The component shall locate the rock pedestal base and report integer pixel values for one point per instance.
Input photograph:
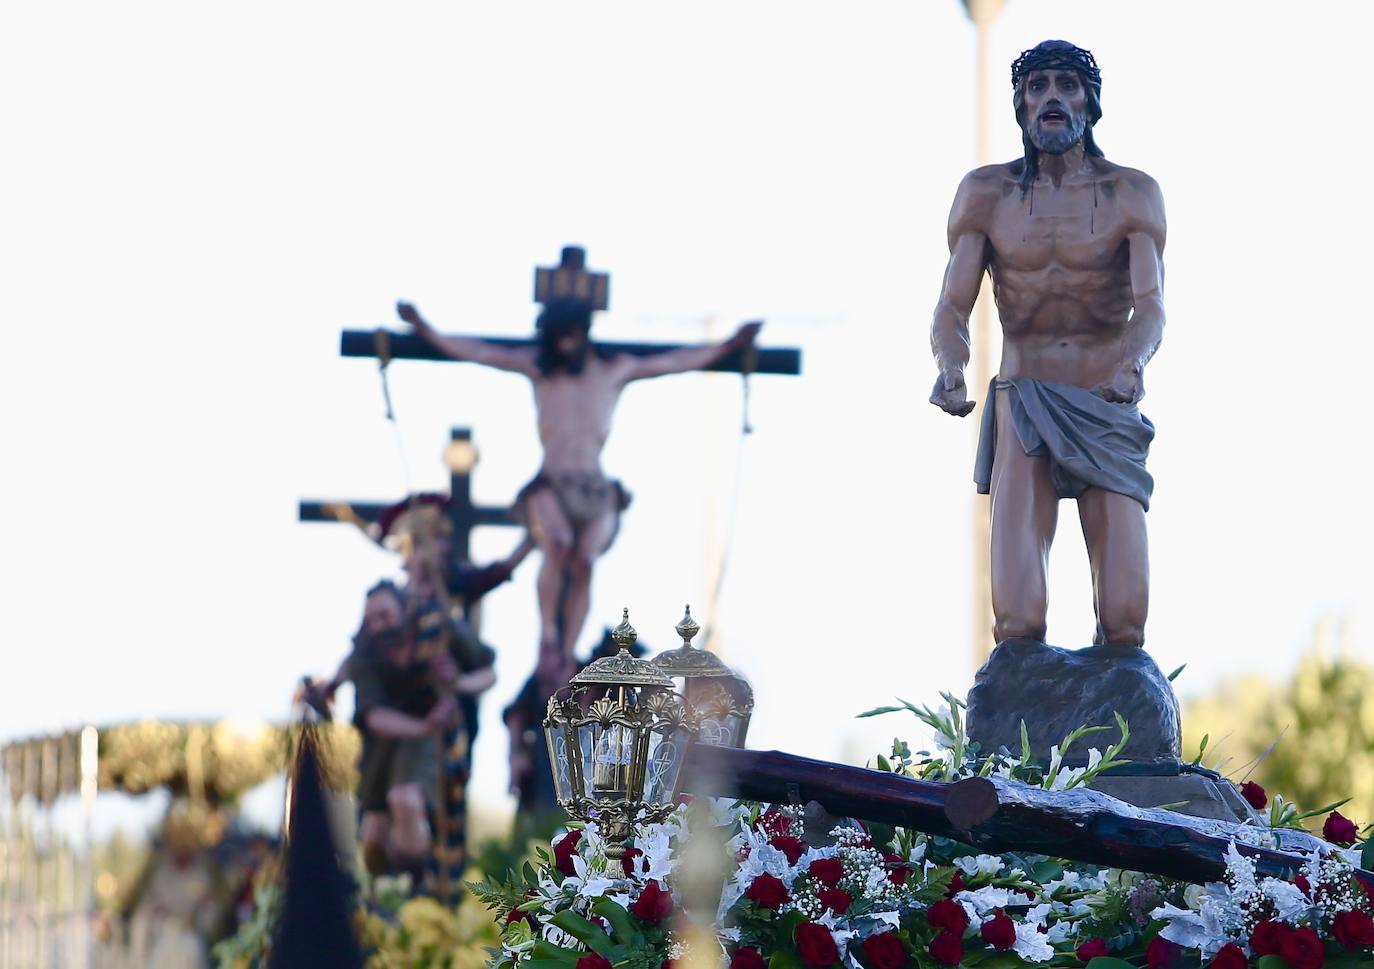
(1058, 690)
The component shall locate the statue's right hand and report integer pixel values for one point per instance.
(950, 394)
(408, 313)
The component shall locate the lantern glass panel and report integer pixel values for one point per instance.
(720, 731)
(557, 736)
(667, 751)
(607, 759)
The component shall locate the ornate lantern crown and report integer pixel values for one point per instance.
(722, 699)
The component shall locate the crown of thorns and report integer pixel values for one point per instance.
(1056, 56)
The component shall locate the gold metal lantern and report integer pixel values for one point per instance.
(618, 735)
(721, 699)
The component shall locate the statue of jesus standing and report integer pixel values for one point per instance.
(1073, 243)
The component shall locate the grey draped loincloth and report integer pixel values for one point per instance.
(1091, 442)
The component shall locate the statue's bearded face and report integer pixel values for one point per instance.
(1056, 110)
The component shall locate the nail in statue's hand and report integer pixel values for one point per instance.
(950, 394)
(1127, 386)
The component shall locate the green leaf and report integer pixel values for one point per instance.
(621, 923)
(1175, 674)
(588, 933)
(555, 954)
(1271, 962)
(784, 959)
(1322, 810)
(1367, 855)
(1107, 962)
(878, 711)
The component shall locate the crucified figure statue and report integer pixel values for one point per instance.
(571, 507)
(1074, 244)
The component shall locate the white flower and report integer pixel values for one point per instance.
(894, 919)
(1060, 932)
(984, 900)
(1288, 899)
(979, 865)
(1031, 944)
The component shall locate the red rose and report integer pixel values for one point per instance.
(1339, 829)
(948, 914)
(885, 951)
(1267, 937)
(836, 899)
(627, 861)
(1161, 953)
(1303, 949)
(747, 958)
(653, 905)
(816, 946)
(515, 915)
(1231, 956)
(773, 822)
(564, 850)
(1303, 885)
(897, 871)
(1000, 931)
(767, 891)
(947, 947)
(1353, 929)
(668, 964)
(956, 885)
(1089, 951)
(827, 871)
(792, 847)
(593, 960)
(1254, 795)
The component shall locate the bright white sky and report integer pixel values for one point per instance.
(196, 199)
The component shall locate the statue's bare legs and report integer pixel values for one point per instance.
(565, 576)
(1025, 511)
(1114, 528)
(554, 535)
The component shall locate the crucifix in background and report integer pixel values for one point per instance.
(571, 507)
(461, 457)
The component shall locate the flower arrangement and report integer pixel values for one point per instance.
(878, 897)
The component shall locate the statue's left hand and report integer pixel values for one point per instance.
(1127, 386)
(747, 333)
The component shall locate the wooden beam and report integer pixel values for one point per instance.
(996, 815)
(409, 346)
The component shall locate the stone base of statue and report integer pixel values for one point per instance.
(1058, 690)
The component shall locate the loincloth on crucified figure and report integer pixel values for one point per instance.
(1090, 442)
(584, 497)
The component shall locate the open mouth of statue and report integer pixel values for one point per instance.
(1054, 118)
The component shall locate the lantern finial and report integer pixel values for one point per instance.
(687, 628)
(624, 635)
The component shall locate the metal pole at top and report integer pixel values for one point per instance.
(983, 13)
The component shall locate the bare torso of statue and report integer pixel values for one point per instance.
(574, 412)
(1073, 244)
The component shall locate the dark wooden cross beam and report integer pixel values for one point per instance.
(570, 279)
(461, 457)
(995, 815)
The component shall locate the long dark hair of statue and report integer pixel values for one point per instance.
(560, 318)
(1052, 55)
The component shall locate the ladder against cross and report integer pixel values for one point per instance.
(461, 458)
(570, 279)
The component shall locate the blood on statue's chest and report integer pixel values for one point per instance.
(1075, 227)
